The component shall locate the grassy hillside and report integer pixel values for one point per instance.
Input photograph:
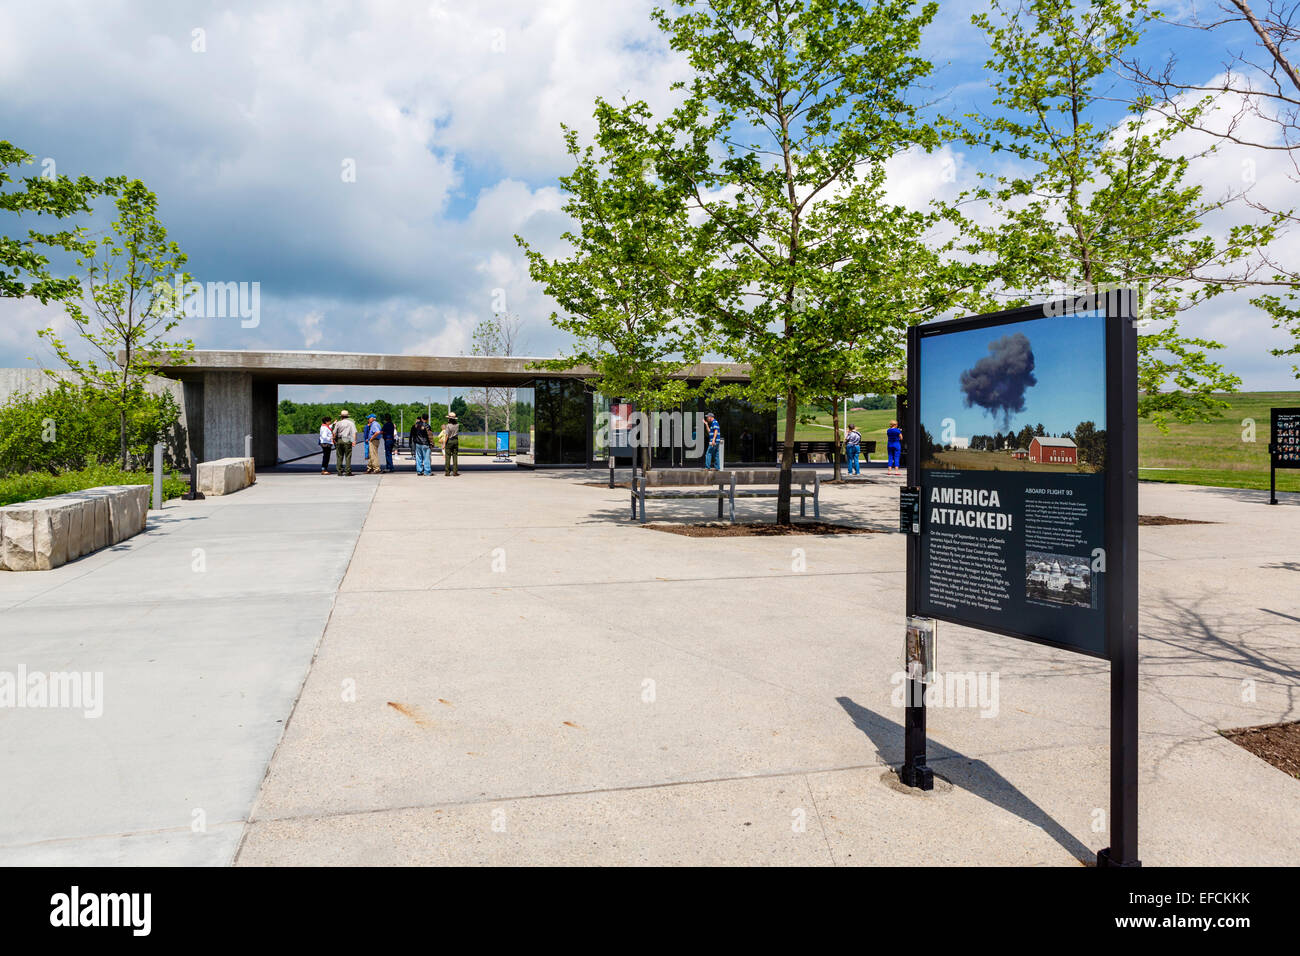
(871, 424)
(1215, 452)
(1209, 453)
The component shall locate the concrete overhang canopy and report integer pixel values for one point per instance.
(359, 368)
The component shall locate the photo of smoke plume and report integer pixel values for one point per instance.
(997, 382)
(1022, 396)
(1059, 578)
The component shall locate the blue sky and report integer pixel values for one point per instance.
(1069, 366)
(450, 112)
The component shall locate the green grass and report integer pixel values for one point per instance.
(1217, 452)
(16, 488)
(1206, 453)
(871, 424)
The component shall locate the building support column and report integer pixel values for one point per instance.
(227, 414)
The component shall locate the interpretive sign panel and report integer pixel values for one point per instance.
(1012, 422)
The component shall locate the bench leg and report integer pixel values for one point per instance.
(719, 502)
(803, 506)
(643, 507)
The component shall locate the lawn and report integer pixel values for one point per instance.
(1207, 453)
(1218, 452)
(871, 424)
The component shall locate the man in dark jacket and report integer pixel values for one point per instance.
(422, 446)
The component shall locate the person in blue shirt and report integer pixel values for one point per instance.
(894, 434)
(714, 447)
(371, 436)
(853, 443)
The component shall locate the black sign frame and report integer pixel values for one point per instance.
(1274, 459)
(1120, 544)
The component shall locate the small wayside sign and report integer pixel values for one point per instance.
(909, 509)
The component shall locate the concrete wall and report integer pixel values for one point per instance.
(227, 414)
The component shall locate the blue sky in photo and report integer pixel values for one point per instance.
(1069, 366)
(452, 113)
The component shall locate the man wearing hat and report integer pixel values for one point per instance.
(345, 433)
(449, 437)
(372, 435)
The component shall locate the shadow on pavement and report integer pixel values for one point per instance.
(972, 775)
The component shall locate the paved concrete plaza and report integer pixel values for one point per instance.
(502, 668)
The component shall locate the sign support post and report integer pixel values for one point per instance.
(1121, 576)
(1272, 474)
(914, 772)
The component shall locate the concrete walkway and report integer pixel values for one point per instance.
(513, 672)
(535, 680)
(204, 629)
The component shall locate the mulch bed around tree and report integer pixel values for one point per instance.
(1146, 520)
(1279, 744)
(718, 529)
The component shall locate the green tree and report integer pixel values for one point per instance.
(24, 262)
(133, 278)
(793, 110)
(70, 427)
(621, 285)
(1091, 443)
(1258, 90)
(1098, 201)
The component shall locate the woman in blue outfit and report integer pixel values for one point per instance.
(894, 434)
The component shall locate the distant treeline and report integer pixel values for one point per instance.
(1090, 440)
(303, 418)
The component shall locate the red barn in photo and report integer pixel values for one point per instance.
(1053, 451)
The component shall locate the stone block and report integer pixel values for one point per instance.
(48, 532)
(225, 475)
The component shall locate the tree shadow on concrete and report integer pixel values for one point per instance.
(972, 775)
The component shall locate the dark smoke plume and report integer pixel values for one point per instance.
(998, 381)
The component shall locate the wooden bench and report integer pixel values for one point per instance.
(727, 485)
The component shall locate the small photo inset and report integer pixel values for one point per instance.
(1058, 578)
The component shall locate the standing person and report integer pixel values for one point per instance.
(715, 439)
(422, 446)
(853, 442)
(449, 439)
(345, 433)
(389, 431)
(894, 434)
(371, 436)
(326, 443)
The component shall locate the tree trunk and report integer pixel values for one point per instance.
(835, 430)
(121, 431)
(787, 460)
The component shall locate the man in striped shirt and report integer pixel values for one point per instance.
(715, 441)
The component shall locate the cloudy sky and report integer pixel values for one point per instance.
(245, 119)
